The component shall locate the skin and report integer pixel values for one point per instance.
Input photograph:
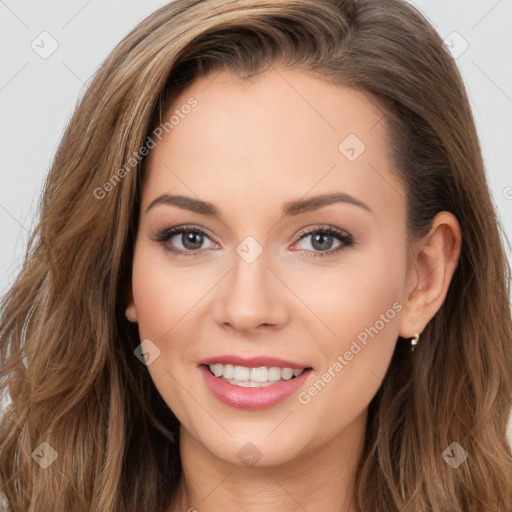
(248, 147)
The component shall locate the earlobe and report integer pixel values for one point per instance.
(435, 259)
(131, 312)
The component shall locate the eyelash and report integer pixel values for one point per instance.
(162, 237)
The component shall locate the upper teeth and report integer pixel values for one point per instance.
(259, 374)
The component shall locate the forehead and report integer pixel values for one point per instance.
(280, 135)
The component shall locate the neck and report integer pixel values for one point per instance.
(319, 479)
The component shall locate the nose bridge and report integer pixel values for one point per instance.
(250, 294)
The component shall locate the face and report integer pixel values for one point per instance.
(271, 235)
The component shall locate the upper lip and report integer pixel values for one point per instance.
(253, 362)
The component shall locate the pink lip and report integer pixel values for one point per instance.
(253, 362)
(252, 398)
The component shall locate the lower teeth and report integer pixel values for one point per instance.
(249, 384)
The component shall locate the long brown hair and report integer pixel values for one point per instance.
(67, 349)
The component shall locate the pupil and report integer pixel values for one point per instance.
(192, 240)
(322, 241)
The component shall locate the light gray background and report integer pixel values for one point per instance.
(37, 95)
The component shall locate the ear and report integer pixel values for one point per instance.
(432, 263)
(131, 311)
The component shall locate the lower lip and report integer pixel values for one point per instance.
(252, 398)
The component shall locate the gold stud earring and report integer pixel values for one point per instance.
(414, 341)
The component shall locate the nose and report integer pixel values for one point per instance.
(251, 297)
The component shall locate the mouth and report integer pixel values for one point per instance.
(255, 377)
(253, 387)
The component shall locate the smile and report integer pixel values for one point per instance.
(252, 387)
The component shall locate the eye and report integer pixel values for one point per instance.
(322, 239)
(184, 240)
(189, 240)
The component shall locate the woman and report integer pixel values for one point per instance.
(268, 275)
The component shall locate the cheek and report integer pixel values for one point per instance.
(361, 307)
(164, 295)
(356, 295)
(162, 292)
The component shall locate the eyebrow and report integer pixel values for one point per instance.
(290, 208)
